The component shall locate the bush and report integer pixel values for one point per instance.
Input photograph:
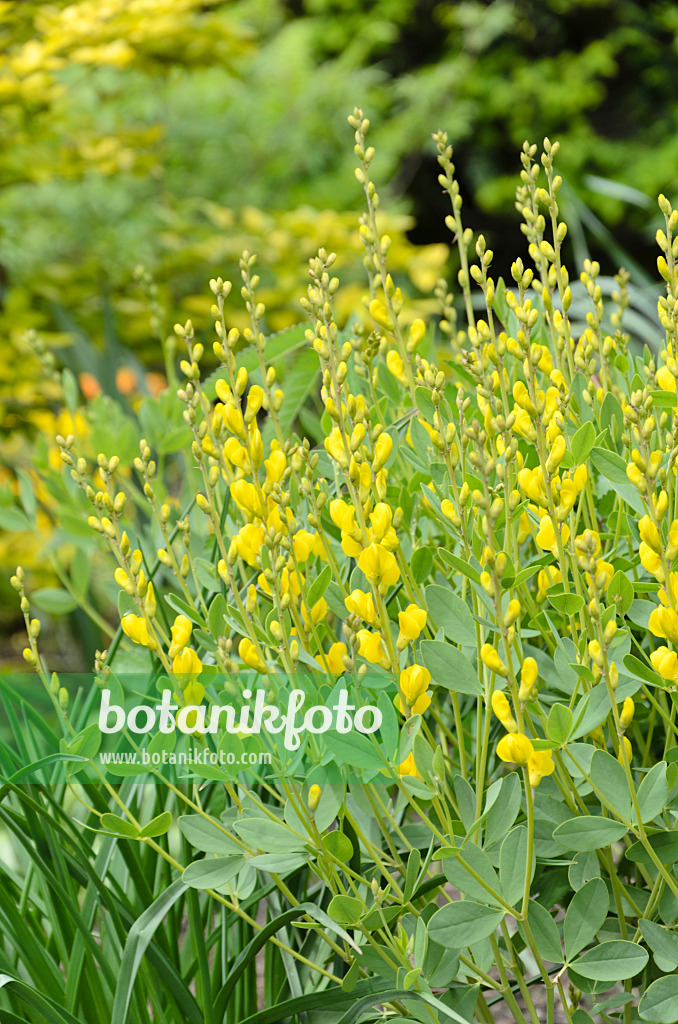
(474, 534)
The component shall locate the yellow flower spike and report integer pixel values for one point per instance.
(502, 710)
(540, 764)
(248, 653)
(408, 767)
(382, 451)
(663, 622)
(649, 534)
(314, 795)
(370, 647)
(528, 677)
(414, 682)
(625, 744)
(515, 748)
(187, 664)
(362, 604)
(379, 565)
(490, 658)
(333, 661)
(665, 662)
(627, 712)
(411, 622)
(134, 626)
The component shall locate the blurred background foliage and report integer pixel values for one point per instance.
(173, 134)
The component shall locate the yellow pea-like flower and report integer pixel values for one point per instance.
(275, 466)
(396, 366)
(411, 621)
(362, 604)
(417, 332)
(194, 693)
(409, 767)
(649, 534)
(665, 662)
(181, 633)
(381, 519)
(627, 712)
(540, 764)
(546, 535)
(664, 622)
(333, 661)
(134, 626)
(625, 745)
(414, 682)
(314, 795)
(247, 497)
(379, 565)
(515, 748)
(187, 663)
(490, 658)
(502, 710)
(382, 451)
(528, 677)
(248, 653)
(371, 647)
(380, 313)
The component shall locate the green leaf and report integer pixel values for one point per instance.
(661, 941)
(659, 1004)
(459, 565)
(585, 916)
(653, 792)
(639, 669)
(664, 845)
(582, 443)
(589, 833)
(504, 811)
(345, 909)
(121, 827)
(319, 586)
(158, 826)
(138, 940)
(566, 604)
(512, 863)
(339, 845)
(215, 617)
(269, 836)
(620, 590)
(354, 749)
(53, 600)
(456, 870)
(613, 468)
(212, 872)
(450, 668)
(422, 397)
(559, 725)
(451, 614)
(15, 521)
(463, 923)
(421, 564)
(664, 400)
(608, 775)
(545, 932)
(612, 961)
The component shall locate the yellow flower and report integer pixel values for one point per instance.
(449, 511)
(334, 446)
(627, 712)
(515, 748)
(408, 767)
(382, 451)
(248, 653)
(528, 677)
(411, 621)
(650, 560)
(571, 487)
(317, 613)
(342, 515)
(381, 520)
(649, 534)
(379, 565)
(490, 658)
(246, 497)
(362, 604)
(275, 466)
(187, 664)
(371, 648)
(333, 661)
(379, 312)
(414, 681)
(546, 537)
(664, 622)
(531, 481)
(314, 794)
(181, 634)
(665, 662)
(249, 541)
(502, 710)
(136, 629)
(547, 578)
(625, 745)
(539, 764)
(417, 332)
(396, 366)
(194, 693)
